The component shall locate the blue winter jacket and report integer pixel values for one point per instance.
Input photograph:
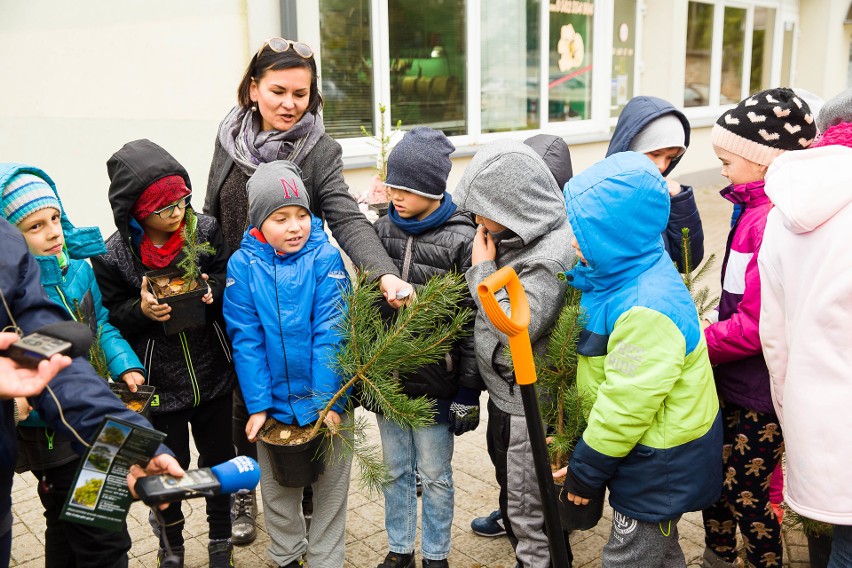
(281, 312)
(654, 433)
(76, 284)
(638, 112)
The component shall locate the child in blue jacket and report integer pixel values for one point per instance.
(30, 201)
(283, 302)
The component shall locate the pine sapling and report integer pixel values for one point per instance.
(192, 251)
(375, 354)
(701, 297)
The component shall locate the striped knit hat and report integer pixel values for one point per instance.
(765, 125)
(25, 194)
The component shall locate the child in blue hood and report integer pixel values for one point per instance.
(30, 201)
(655, 128)
(654, 431)
(282, 307)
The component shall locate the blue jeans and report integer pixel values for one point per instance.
(431, 450)
(841, 547)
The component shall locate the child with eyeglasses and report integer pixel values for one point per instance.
(29, 200)
(192, 371)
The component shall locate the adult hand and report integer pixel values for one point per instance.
(208, 297)
(254, 424)
(16, 381)
(133, 379)
(151, 309)
(483, 247)
(391, 285)
(159, 464)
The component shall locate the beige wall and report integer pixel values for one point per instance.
(823, 56)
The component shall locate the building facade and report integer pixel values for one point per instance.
(83, 78)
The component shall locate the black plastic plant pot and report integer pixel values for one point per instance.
(188, 311)
(579, 517)
(819, 549)
(139, 401)
(296, 465)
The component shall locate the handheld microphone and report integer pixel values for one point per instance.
(65, 338)
(242, 472)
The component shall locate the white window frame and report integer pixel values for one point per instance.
(700, 115)
(359, 151)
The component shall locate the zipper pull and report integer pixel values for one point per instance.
(49, 438)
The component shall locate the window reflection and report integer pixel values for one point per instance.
(699, 44)
(427, 64)
(762, 38)
(733, 51)
(570, 60)
(347, 67)
(510, 61)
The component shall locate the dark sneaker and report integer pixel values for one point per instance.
(243, 518)
(173, 561)
(221, 553)
(396, 560)
(490, 526)
(294, 564)
(435, 563)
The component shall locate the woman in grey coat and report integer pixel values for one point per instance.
(277, 118)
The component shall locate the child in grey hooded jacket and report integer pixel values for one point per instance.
(523, 224)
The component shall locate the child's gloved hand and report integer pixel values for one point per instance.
(464, 411)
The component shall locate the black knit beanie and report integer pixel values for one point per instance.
(420, 162)
(765, 125)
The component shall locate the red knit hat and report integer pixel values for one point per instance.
(159, 194)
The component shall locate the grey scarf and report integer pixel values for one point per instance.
(242, 139)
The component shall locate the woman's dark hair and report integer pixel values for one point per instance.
(270, 60)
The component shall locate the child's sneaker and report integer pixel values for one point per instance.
(221, 553)
(490, 526)
(435, 563)
(396, 560)
(173, 561)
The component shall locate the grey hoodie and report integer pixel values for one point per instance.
(507, 182)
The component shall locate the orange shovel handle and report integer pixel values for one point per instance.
(514, 325)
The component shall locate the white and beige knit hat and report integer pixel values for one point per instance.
(765, 125)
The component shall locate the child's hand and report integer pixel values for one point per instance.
(391, 286)
(332, 421)
(483, 247)
(254, 424)
(132, 379)
(149, 306)
(208, 297)
(576, 499)
(24, 408)
(674, 187)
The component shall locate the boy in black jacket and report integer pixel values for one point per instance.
(192, 370)
(426, 236)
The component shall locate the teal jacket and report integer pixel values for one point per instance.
(654, 434)
(74, 288)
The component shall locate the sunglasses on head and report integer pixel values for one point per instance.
(279, 44)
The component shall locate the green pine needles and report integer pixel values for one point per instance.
(564, 408)
(375, 354)
(192, 250)
(97, 356)
(703, 302)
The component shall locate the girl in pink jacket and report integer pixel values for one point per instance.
(746, 139)
(806, 320)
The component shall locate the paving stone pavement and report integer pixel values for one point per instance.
(366, 541)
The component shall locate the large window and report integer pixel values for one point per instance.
(347, 67)
(623, 54)
(427, 63)
(570, 66)
(509, 65)
(729, 52)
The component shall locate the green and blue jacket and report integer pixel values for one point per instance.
(654, 434)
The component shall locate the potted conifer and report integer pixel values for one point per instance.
(373, 355)
(181, 286)
(565, 408)
(378, 196)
